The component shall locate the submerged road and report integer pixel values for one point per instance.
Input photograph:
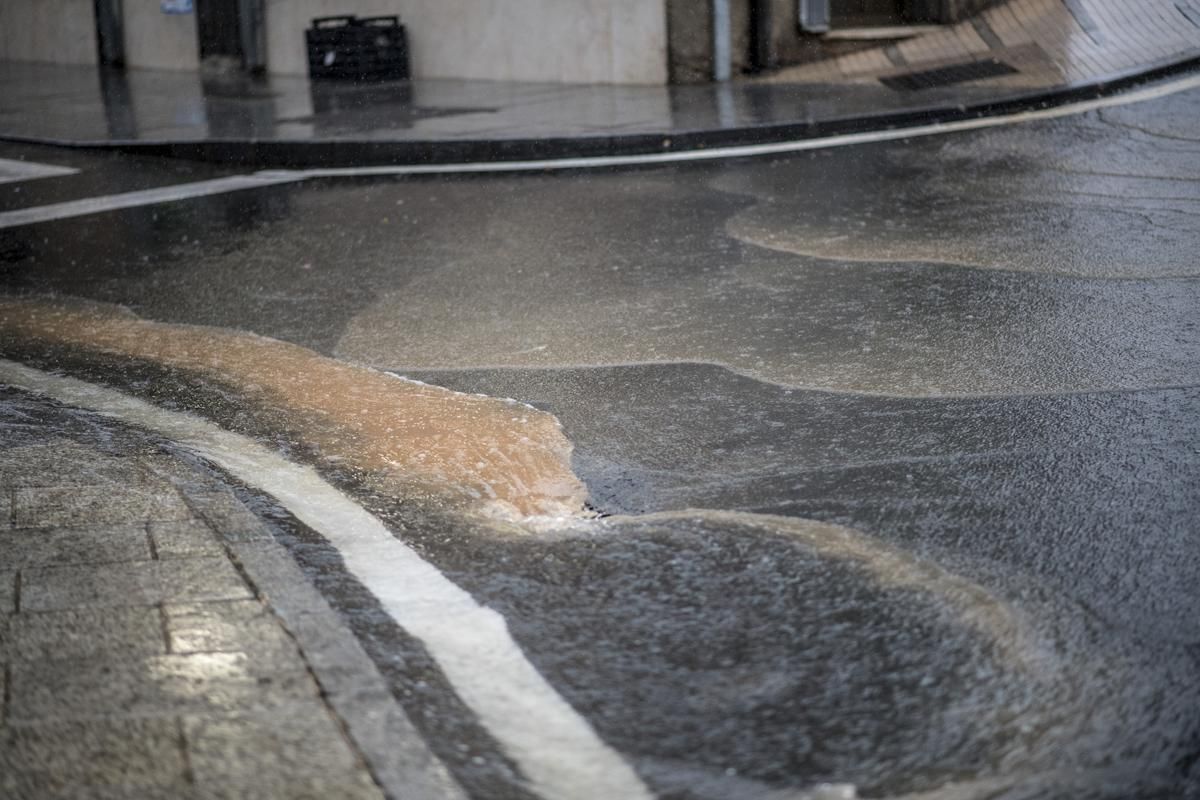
(891, 451)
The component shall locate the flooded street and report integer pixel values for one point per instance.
(868, 471)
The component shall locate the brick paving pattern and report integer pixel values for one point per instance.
(137, 660)
(1049, 42)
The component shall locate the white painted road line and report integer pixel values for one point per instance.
(95, 205)
(145, 197)
(773, 148)
(13, 171)
(554, 747)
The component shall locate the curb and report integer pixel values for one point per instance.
(295, 154)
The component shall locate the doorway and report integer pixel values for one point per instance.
(866, 13)
(818, 16)
(219, 31)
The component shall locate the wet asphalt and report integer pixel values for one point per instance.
(899, 443)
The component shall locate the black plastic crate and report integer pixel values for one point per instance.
(348, 48)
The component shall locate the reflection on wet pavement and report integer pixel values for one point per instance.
(1033, 204)
(522, 271)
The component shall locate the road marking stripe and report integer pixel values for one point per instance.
(13, 171)
(145, 197)
(772, 148)
(555, 748)
(95, 205)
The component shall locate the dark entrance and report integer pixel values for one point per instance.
(818, 16)
(866, 13)
(110, 40)
(217, 25)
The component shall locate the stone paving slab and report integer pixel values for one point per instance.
(87, 633)
(295, 738)
(155, 686)
(183, 538)
(311, 787)
(233, 521)
(95, 505)
(143, 652)
(189, 580)
(61, 462)
(127, 755)
(7, 591)
(222, 627)
(38, 547)
(59, 588)
(132, 583)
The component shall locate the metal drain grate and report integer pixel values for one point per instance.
(948, 75)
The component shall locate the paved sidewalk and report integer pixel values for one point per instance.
(157, 642)
(1017, 55)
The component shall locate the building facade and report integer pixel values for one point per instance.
(563, 41)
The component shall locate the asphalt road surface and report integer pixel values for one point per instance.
(892, 451)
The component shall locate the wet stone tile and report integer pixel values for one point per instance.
(59, 462)
(124, 633)
(226, 514)
(231, 626)
(6, 646)
(160, 685)
(35, 547)
(174, 791)
(7, 591)
(80, 759)
(240, 527)
(332, 650)
(187, 580)
(95, 505)
(293, 740)
(344, 786)
(213, 501)
(185, 537)
(54, 588)
(138, 583)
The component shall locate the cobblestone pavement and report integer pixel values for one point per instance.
(156, 642)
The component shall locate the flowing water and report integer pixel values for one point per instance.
(723, 653)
